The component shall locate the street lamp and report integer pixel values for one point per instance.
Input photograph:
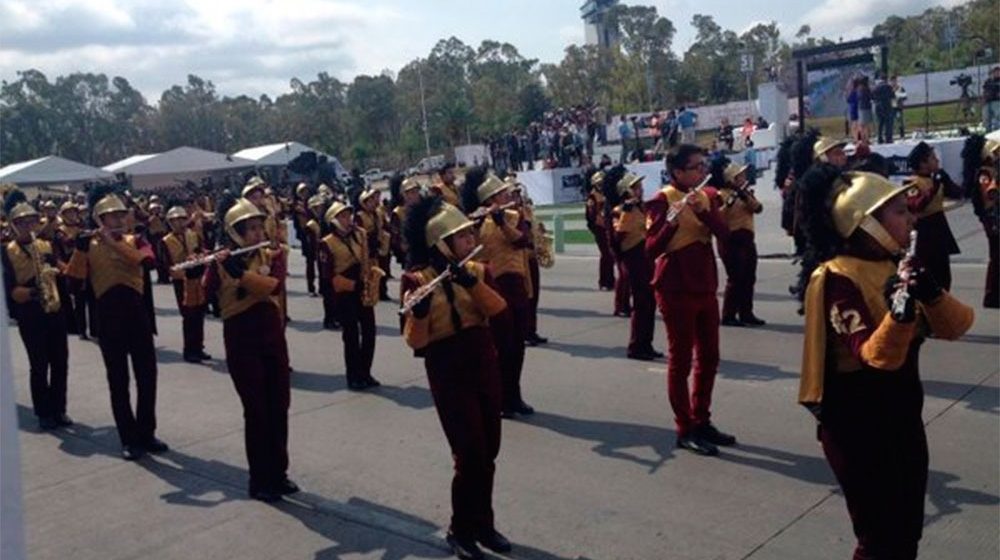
(746, 66)
(423, 107)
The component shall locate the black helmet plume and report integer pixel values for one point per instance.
(12, 199)
(716, 170)
(469, 195)
(802, 152)
(816, 190)
(415, 230)
(225, 201)
(396, 190)
(972, 162)
(609, 187)
(784, 164)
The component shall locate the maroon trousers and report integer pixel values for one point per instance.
(311, 264)
(739, 257)
(357, 324)
(509, 329)
(884, 478)
(692, 322)
(257, 359)
(44, 337)
(465, 383)
(991, 297)
(127, 332)
(638, 275)
(385, 263)
(536, 289)
(192, 322)
(623, 300)
(606, 263)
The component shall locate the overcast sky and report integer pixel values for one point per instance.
(257, 46)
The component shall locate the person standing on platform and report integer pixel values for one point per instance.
(183, 243)
(503, 242)
(30, 272)
(933, 184)
(594, 212)
(683, 218)
(248, 287)
(114, 261)
(981, 174)
(864, 327)
(623, 194)
(450, 329)
(347, 268)
(739, 251)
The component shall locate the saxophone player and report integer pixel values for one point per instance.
(33, 299)
(345, 266)
(182, 243)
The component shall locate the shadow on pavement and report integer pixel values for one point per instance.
(79, 440)
(612, 438)
(573, 313)
(410, 396)
(982, 398)
(752, 371)
(948, 500)
(318, 382)
(587, 350)
(198, 482)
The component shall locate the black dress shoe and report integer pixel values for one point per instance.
(372, 382)
(731, 322)
(464, 548)
(493, 540)
(286, 487)
(753, 321)
(155, 445)
(535, 340)
(697, 445)
(524, 408)
(508, 413)
(529, 342)
(265, 495)
(356, 385)
(192, 358)
(643, 356)
(654, 353)
(131, 452)
(204, 355)
(711, 434)
(63, 420)
(47, 423)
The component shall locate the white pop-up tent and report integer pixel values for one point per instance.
(51, 170)
(278, 155)
(177, 166)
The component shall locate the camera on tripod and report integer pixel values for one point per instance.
(962, 80)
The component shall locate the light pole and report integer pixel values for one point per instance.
(746, 66)
(423, 107)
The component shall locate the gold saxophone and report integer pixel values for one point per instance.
(372, 276)
(543, 246)
(45, 279)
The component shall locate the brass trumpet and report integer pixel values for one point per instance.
(422, 292)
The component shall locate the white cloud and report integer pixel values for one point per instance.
(571, 34)
(852, 19)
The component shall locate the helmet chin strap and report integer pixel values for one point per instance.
(877, 231)
(445, 250)
(235, 236)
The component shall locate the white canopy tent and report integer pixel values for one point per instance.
(177, 166)
(278, 155)
(51, 170)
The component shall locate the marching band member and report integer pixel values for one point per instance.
(932, 183)
(503, 243)
(157, 229)
(863, 332)
(370, 217)
(314, 231)
(30, 269)
(739, 251)
(346, 267)
(528, 224)
(595, 223)
(260, 195)
(686, 281)
(449, 328)
(445, 185)
(248, 287)
(71, 292)
(183, 243)
(981, 174)
(409, 190)
(113, 261)
(623, 197)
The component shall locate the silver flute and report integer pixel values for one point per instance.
(212, 257)
(905, 273)
(676, 209)
(422, 292)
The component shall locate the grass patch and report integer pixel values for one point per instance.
(578, 237)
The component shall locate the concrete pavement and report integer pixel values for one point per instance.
(593, 474)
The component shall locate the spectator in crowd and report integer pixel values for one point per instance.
(726, 134)
(761, 123)
(852, 107)
(668, 130)
(625, 132)
(991, 100)
(747, 130)
(883, 96)
(865, 112)
(750, 160)
(687, 120)
(898, 104)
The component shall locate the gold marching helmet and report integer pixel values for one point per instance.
(368, 193)
(991, 150)
(331, 213)
(255, 183)
(824, 145)
(241, 211)
(855, 203)
(446, 221)
(67, 206)
(732, 171)
(109, 204)
(626, 183)
(596, 179)
(302, 190)
(409, 184)
(316, 201)
(48, 204)
(325, 191)
(177, 212)
(492, 186)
